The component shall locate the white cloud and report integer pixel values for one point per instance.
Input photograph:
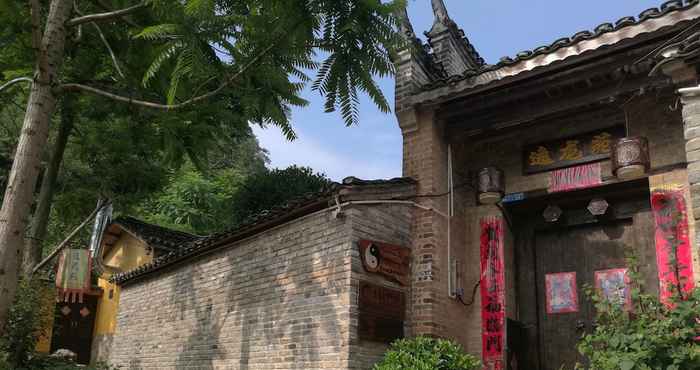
(305, 151)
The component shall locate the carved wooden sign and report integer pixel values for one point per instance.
(382, 313)
(390, 260)
(586, 148)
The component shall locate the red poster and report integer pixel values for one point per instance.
(614, 286)
(561, 295)
(492, 293)
(673, 253)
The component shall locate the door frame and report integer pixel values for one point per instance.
(626, 199)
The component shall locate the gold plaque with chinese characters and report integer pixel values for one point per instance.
(571, 151)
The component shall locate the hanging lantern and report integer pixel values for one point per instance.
(490, 185)
(630, 157)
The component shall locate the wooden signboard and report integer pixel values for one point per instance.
(390, 260)
(382, 313)
(586, 148)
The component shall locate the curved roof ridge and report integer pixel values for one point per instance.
(668, 14)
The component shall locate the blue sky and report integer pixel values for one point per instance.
(372, 149)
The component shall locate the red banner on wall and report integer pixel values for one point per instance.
(493, 301)
(572, 178)
(673, 253)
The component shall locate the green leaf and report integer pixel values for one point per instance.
(626, 365)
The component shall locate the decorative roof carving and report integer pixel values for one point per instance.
(669, 14)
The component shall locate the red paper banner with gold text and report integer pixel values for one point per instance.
(673, 253)
(492, 293)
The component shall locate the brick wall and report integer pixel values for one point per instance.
(277, 300)
(389, 224)
(285, 299)
(433, 312)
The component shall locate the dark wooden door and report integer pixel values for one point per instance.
(73, 327)
(561, 254)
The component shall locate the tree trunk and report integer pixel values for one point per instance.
(27, 162)
(37, 231)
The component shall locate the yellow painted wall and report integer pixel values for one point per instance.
(44, 343)
(127, 254)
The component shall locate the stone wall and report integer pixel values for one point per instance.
(284, 299)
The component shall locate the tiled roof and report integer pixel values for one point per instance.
(668, 14)
(293, 209)
(154, 235)
(686, 49)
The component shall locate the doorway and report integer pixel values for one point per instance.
(556, 261)
(73, 327)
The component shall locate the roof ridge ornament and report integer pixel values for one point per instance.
(405, 25)
(440, 11)
(451, 48)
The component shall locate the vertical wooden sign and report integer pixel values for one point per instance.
(493, 300)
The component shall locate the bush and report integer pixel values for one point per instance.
(27, 320)
(422, 353)
(650, 336)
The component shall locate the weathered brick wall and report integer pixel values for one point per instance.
(425, 154)
(385, 223)
(279, 300)
(285, 299)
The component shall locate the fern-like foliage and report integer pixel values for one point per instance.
(344, 44)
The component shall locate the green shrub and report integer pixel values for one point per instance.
(650, 336)
(422, 353)
(27, 320)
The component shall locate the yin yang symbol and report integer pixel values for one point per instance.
(372, 257)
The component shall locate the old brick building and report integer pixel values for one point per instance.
(524, 181)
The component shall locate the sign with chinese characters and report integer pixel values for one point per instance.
(586, 148)
(390, 260)
(673, 254)
(614, 286)
(73, 275)
(382, 313)
(493, 298)
(561, 295)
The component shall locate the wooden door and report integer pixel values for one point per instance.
(73, 327)
(573, 254)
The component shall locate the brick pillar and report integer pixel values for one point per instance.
(425, 160)
(690, 98)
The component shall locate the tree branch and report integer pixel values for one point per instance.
(126, 19)
(102, 37)
(14, 81)
(35, 14)
(109, 49)
(74, 87)
(99, 17)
